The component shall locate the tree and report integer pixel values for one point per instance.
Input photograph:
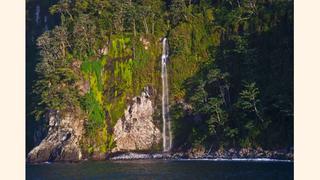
(178, 12)
(249, 99)
(56, 84)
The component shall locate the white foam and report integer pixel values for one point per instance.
(239, 159)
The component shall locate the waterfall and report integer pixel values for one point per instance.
(37, 14)
(166, 131)
(45, 20)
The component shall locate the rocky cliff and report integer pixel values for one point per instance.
(62, 142)
(136, 130)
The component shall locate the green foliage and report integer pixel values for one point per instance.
(189, 48)
(214, 48)
(92, 102)
(178, 11)
(116, 109)
(249, 97)
(56, 82)
(101, 141)
(228, 44)
(118, 47)
(95, 111)
(110, 142)
(217, 115)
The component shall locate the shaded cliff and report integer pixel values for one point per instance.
(62, 143)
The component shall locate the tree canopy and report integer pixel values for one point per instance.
(230, 61)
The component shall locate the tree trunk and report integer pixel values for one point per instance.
(257, 111)
(63, 49)
(145, 24)
(134, 28)
(153, 23)
(238, 3)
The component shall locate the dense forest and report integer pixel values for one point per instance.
(230, 68)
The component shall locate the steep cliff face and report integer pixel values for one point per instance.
(62, 142)
(136, 130)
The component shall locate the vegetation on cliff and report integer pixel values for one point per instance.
(230, 68)
(235, 69)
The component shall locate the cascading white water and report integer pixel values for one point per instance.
(37, 14)
(45, 20)
(166, 131)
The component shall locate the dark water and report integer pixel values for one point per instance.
(162, 169)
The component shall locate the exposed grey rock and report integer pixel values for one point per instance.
(62, 142)
(180, 155)
(157, 156)
(132, 156)
(245, 153)
(136, 130)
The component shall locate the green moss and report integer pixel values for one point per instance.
(90, 149)
(116, 109)
(113, 79)
(92, 102)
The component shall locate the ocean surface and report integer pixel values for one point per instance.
(163, 169)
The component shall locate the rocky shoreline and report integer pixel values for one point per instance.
(62, 143)
(244, 153)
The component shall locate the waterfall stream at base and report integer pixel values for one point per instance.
(166, 131)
